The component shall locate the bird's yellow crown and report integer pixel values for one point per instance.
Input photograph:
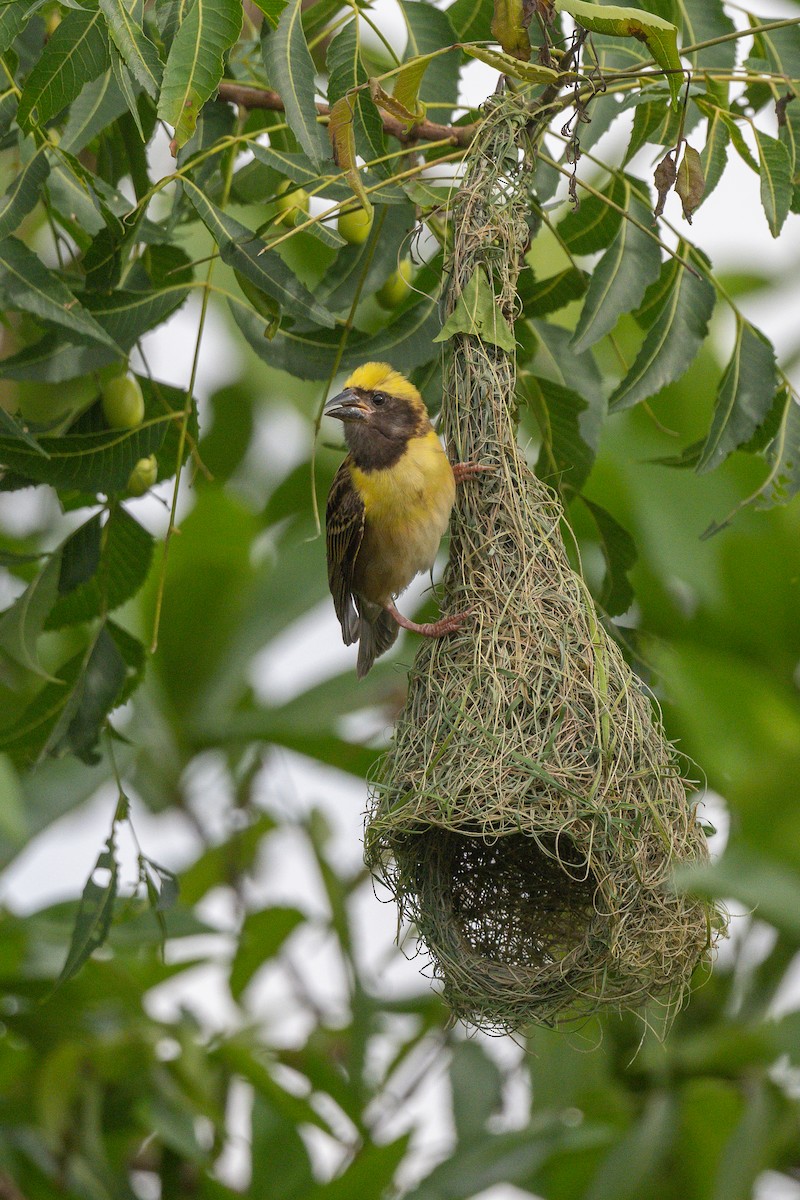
(381, 377)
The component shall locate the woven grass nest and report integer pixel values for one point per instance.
(530, 811)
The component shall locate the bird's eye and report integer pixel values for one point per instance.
(378, 398)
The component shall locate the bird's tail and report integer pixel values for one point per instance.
(377, 631)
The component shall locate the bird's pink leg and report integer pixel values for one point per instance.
(433, 629)
(462, 471)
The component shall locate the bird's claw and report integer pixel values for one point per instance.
(432, 629)
(465, 470)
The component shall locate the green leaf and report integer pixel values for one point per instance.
(701, 21)
(621, 277)
(545, 296)
(345, 72)
(654, 122)
(134, 657)
(117, 575)
(169, 15)
(783, 453)
(99, 103)
(51, 361)
(261, 937)
(564, 460)
(477, 1088)
(594, 225)
(404, 101)
(226, 863)
(778, 437)
(75, 202)
(242, 249)
(126, 316)
(194, 65)
(22, 623)
(714, 156)
(311, 354)
(102, 681)
(137, 50)
(507, 1158)
(13, 16)
(272, 10)
(428, 31)
(11, 428)
(369, 1174)
(76, 53)
(750, 1148)
(80, 554)
(280, 1161)
(26, 284)
(779, 47)
(638, 1157)
(677, 328)
(341, 133)
(67, 714)
(290, 70)
(556, 360)
(301, 170)
(476, 313)
(93, 922)
(28, 737)
(24, 192)
(527, 71)
(8, 108)
(87, 462)
(471, 19)
(660, 36)
(744, 397)
(619, 552)
(775, 169)
(127, 87)
(708, 107)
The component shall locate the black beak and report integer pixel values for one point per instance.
(347, 406)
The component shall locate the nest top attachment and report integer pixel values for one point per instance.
(530, 811)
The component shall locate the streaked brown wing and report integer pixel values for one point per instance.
(344, 530)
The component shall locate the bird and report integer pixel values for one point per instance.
(388, 508)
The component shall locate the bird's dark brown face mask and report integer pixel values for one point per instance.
(377, 426)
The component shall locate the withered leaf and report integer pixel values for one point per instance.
(691, 182)
(664, 178)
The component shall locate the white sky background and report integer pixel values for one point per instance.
(732, 229)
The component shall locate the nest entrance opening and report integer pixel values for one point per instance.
(523, 902)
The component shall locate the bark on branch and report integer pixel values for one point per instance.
(425, 131)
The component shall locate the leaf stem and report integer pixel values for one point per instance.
(187, 411)
(735, 34)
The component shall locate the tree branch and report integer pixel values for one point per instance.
(425, 131)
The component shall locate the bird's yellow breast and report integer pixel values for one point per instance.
(407, 510)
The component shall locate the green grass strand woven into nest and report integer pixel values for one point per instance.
(530, 810)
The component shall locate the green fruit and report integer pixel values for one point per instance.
(355, 226)
(123, 403)
(292, 204)
(143, 476)
(397, 286)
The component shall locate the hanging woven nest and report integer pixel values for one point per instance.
(530, 811)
